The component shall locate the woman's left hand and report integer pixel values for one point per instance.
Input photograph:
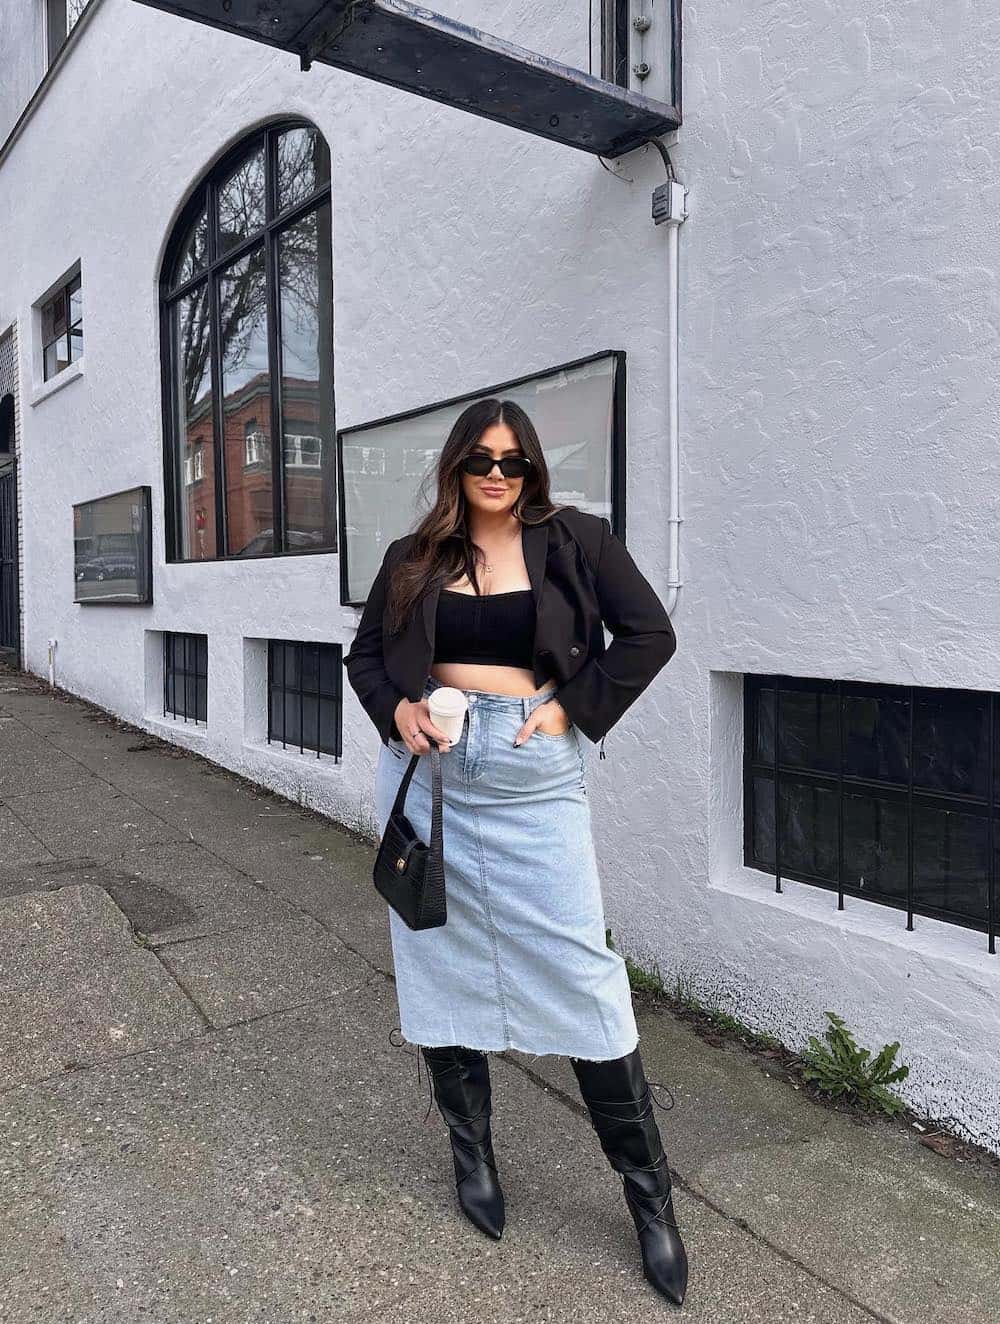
(544, 717)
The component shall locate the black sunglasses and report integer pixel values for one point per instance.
(511, 466)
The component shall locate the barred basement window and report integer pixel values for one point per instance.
(305, 696)
(185, 676)
(884, 792)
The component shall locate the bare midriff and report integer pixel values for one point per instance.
(519, 681)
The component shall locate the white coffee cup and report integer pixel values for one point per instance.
(447, 707)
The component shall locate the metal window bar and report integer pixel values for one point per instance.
(777, 785)
(840, 794)
(754, 690)
(909, 813)
(179, 667)
(294, 692)
(991, 912)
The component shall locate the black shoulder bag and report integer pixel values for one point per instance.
(409, 873)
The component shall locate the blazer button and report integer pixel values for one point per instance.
(545, 652)
(573, 651)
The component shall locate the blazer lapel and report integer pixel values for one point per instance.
(534, 545)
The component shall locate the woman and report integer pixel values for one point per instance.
(505, 596)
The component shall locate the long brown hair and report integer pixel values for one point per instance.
(442, 548)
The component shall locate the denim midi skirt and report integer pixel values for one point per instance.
(522, 961)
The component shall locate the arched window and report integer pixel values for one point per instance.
(247, 342)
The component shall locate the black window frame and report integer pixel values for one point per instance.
(903, 792)
(192, 646)
(204, 197)
(65, 291)
(277, 681)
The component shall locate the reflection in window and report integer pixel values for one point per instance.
(303, 165)
(882, 792)
(303, 271)
(256, 448)
(241, 202)
(389, 466)
(194, 250)
(302, 451)
(62, 328)
(246, 393)
(193, 408)
(229, 391)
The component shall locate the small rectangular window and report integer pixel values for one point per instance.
(305, 696)
(185, 676)
(62, 328)
(888, 793)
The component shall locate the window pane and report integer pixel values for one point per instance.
(54, 317)
(290, 707)
(875, 846)
(329, 670)
(808, 725)
(328, 725)
(306, 352)
(949, 862)
(194, 251)
(303, 165)
(762, 815)
(876, 736)
(241, 202)
(246, 387)
(310, 668)
(55, 356)
(75, 292)
(950, 741)
(195, 464)
(808, 828)
(309, 732)
(762, 726)
(75, 344)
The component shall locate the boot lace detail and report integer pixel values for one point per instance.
(479, 1150)
(663, 1212)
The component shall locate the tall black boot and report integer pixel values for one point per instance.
(462, 1090)
(618, 1098)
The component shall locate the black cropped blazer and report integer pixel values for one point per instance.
(582, 578)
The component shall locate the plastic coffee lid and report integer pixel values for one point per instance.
(447, 699)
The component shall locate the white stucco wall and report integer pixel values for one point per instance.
(839, 327)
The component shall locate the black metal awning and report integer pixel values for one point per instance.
(409, 47)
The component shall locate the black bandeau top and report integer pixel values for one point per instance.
(498, 628)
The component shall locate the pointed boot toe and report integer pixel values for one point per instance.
(619, 1101)
(664, 1258)
(462, 1090)
(483, 1203)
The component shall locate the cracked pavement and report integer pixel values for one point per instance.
(204, 1118)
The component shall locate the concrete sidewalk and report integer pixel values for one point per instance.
(203, 1118)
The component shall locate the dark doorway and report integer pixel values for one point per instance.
(10, 618)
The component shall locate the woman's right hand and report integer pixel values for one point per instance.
(414, 723)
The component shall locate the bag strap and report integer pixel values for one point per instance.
(436, 842)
